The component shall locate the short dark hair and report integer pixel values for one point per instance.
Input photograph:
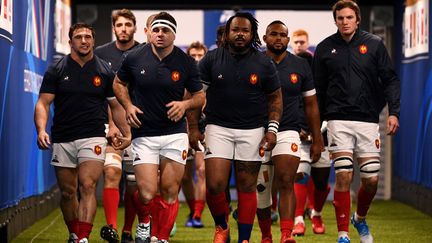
(197, 45)
(126, 13)
(256, 42)
(341, 4)
(81, 26)
(276, 22)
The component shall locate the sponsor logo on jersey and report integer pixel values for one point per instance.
(363, 49)
(184, 154)
(97, 150)
(377, 143)
(253, 79)
(220, 76)
(293, 78)
(333, 51)
(97, 81)
(175, 76)
(294, 147)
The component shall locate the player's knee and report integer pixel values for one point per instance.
(87, 187)
(169, 191)
(216, 186)
(343, 164)
(370, 184)
(147, 196)
(200, 172)
(370, 168)
(68, 194)
(112, 174)
(286, 183)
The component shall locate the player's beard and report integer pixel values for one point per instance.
(277, 51)
(240, 49)
(124, 41)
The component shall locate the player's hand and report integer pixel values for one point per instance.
(305, 136)
(176, 110)
(267, 142)
(43, 140)
(131, 116)
(195, 136)
(113, 132)
(121, 142)
(315, 151)
(392, 125)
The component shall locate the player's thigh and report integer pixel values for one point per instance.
(247, 144)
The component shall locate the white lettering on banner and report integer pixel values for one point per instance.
(37, 28)
(32, 81)
(62, 25)
(6, 19)
(416, 28)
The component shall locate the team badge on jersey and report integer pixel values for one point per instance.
(175, 76)
(293, 78)
(97, 81)
(253, 79)
(184, 154)
(363, 49)
(377, 143)
(294, 147)
(97, 150)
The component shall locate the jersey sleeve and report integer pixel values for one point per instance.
(308, 87)
(49, 82)
(204, 68)
(390, 80)
(320, 77)
(193, 84)
(109, 92)
(124, 73)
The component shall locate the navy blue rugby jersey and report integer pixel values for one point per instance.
(80, 109)
(111, 54)
(153, 83)
(355, 80)
(296, 80)
(237, 88)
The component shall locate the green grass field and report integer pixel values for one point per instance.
(389, 221)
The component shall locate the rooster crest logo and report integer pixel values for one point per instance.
(294, 78)
(363, 49)
(97, 150)
(253, 79)
(294, 147)
(175, 76)
(97, 81)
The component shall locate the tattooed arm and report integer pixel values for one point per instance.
(275, 108)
